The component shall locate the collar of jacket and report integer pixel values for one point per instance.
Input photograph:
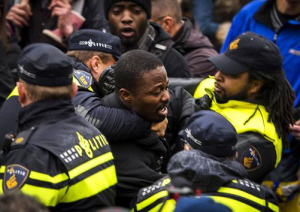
(78, 65)
(182, 35)
(263, 15)
(47, 111)
(161, 36)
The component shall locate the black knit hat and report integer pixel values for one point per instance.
(145, 4)
(45, 65)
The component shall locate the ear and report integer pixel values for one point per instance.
(22, 94)
(125, 95)
(74, 89)
(236, 155)
(255, 86)
(167, 24)
(96, 66)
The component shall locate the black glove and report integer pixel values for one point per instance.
(107, 81)
(204, 103)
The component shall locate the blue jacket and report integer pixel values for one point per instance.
(256, 17)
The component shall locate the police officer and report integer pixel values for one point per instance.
(252, 92)
(56, 155)
(209, 164)
(91, 52)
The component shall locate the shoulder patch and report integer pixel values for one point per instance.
(84, 78)
(22, 137)
(14, 177)
(252, 159)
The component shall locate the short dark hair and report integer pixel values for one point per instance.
(19, 202)
(161, 8)
(131, 66)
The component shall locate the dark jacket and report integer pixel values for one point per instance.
(138, 161)
(196, 49)
(52, 143)
(181, 107)
(7, 82)
(173, 61)
(115, 124)
(41, 19)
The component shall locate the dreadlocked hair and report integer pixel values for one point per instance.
(277, 96)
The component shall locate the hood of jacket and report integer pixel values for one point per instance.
(189, 37)
(205, 171)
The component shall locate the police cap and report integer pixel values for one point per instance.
(45, 65)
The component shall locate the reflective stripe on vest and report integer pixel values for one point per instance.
(244, 116)
(14, 92)
(238, 200)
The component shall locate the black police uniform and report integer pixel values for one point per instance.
(60, 158)
(57, 156)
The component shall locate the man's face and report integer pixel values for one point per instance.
(128, 21)
(152, 96)
(289, 7)
(232, 87)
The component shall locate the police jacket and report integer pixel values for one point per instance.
(115, 124)
(219, 178)
(196, 49)
(256, 17)
(259, 146)
(138, 161)
(162, 47)
(59, 158)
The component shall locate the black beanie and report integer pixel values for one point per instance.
(145, 4)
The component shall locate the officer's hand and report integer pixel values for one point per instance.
(107, 81)
(295, 130)
(203, 103)
(160, 128)
(19, 14)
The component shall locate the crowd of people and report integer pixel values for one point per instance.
(126, 105)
